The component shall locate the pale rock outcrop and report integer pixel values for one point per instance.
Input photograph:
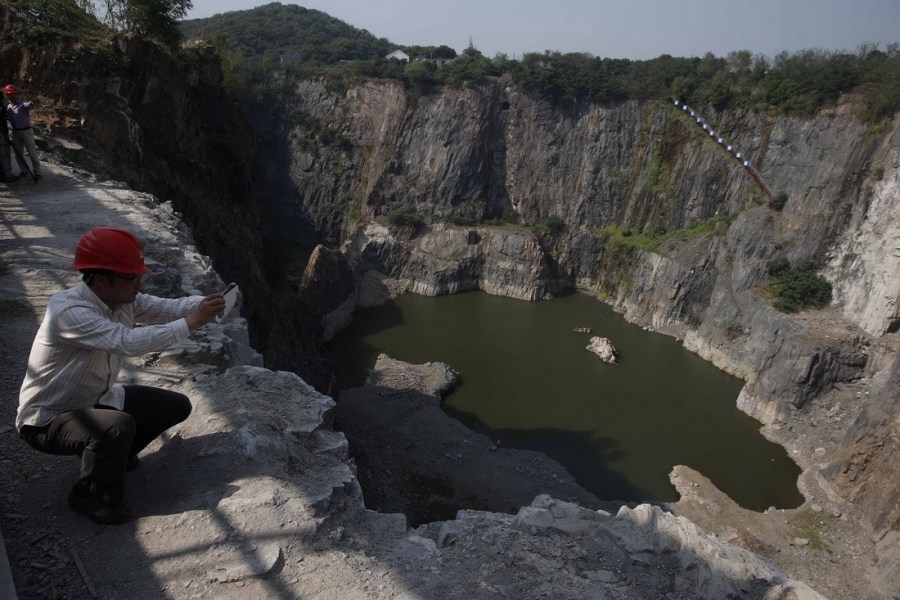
(866, 259)
(603, 348)
(673, 555)
(449, 259)
(433, 378)
(887, 571)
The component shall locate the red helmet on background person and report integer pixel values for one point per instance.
(11, 90)
(110, 249)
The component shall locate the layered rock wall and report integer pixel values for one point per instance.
(495, 153)
(489, 151)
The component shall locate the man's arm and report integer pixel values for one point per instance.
(153, 309)
(84, 327)
(197, 310)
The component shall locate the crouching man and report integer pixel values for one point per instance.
(70, 403)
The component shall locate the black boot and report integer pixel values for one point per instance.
(83, 501)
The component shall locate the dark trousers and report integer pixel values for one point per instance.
(104, 437)
(5, 165)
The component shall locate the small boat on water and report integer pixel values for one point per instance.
(581, 329)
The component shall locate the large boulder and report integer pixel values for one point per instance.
(603, 348)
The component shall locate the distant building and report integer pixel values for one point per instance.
(290, 57)
(399, 55)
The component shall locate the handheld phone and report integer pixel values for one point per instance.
(230, 296)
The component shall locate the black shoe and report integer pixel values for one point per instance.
(133, 463)
(97, 510)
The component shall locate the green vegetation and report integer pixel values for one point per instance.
(659, 174)
(553, 225)
(355, 216)
(797, 287)
(733, 329)
(314, 43)
(778, 201)
(308, 42)
(58, 19)
(648, 240)
(156, 19)
(654, 235)
(317, 134)
(94, 23)
(509, 218)
(717, 224)
(261, 36)
(461, 221)
(808, 525)
(406, 217)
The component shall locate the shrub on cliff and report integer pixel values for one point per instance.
(471, 67)
(797, 287)
(778, 201)
(406, 217)
(553, 225)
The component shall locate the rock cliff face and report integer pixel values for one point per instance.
(486, 152)
(495, 153)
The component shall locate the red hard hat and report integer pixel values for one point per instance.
(11, 90)
(110, 249)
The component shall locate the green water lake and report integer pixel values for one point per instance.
(527, 381)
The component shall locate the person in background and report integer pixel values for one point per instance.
(70, 403)
(6, 175)
(18, 112)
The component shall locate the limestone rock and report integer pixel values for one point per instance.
(887, 570)
(434, 378)
(603, 348)
(328, 289)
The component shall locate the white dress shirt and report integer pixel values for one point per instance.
(78, 350)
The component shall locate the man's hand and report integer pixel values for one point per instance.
(206, 311)
(240, 294)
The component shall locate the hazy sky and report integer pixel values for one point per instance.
(635, 29)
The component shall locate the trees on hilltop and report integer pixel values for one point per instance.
(157, 19)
